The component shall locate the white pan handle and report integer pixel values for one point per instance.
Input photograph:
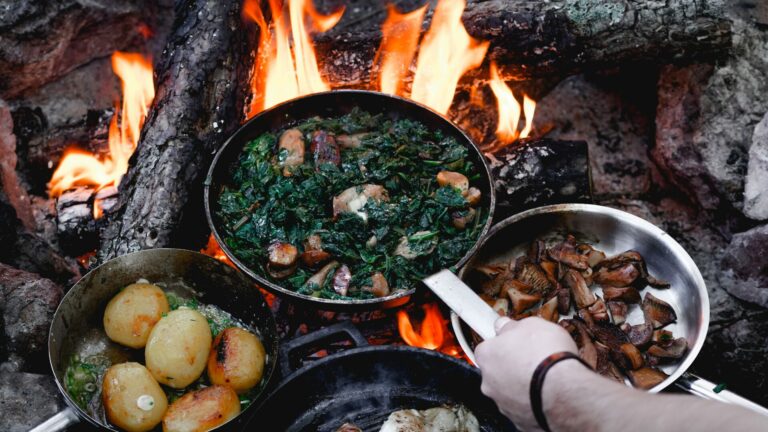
(709, 390)
(58, 422)
(464, 301)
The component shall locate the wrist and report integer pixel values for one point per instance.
(565, 381)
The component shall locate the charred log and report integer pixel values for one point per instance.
(555, 38)
(201, 82)
(539, 172)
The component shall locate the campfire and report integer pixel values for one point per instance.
(108, 130)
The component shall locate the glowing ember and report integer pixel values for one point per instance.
(400, 38)
(509, 110)
(446, 53)
(80, 168)
(281, 72)
(213, 249)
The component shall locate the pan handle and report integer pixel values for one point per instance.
(709, 390)
(58, 422)
(343, 331)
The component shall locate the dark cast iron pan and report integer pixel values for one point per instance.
(364, 385)
(332, 104)
(77, 325)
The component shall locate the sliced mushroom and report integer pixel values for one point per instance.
(324, 149)
(657, 311)
(473, 196)
(640, 335)
(674, 350)
(565, 252)
(605, 366)
(516, 284)
(495, 284)
(353, 199)
(341, 280)
(598, 310)
(292, 142)
(548, 310)
(418, 244)
(280, 273)
(657, 283)
(531, 274)
(550, 268)
(314, 254)
(520, 300)
(462, 218)
(318, 279)
(619, 277)
(579, 289)
(580, 334)
(663, 337)
(633, 358)
(594, 256)
(563, 300)
(282, 255)
(609, 334)
(456, 180)
(351, 141)
(379, 286)
(624, 294)
(537, 251)
(646, 377)
(618, 311)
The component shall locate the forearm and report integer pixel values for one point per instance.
(576, 398)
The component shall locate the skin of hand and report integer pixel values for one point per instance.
(508, 361)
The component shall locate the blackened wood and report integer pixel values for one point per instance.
(553, 38)
(202, 87)
(540, 172)
(42, 40)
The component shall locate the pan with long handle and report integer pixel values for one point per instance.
(77, 325)
(612, 231)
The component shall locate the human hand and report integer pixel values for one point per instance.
(507, 363)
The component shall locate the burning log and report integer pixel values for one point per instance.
(539, 172)
(201, 80)
(78, 217)
(554, 38)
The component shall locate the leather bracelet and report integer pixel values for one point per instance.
(537, 383)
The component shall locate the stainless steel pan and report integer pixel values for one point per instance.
(614, 231)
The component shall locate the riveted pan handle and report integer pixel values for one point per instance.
(58, 422)
(709, 390)
(343, 331)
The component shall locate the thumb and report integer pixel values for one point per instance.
(500, 323)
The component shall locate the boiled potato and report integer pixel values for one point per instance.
(178, 347)
(131, 314)
(133, 400)
(236, 359)
(202, 410)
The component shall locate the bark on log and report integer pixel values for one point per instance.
(42, 40)
(553, 38)
(540, 172)
(202, 79)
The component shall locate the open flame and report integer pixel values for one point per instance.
(81, 168)
(400, 38)
(509, 110)
(433, 333)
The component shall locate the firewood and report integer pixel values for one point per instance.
(202, 85)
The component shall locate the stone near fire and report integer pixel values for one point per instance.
(27, 400)
(756, 183)
(745, 268)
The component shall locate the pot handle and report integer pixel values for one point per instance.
(58, 422)
(709, 390)
(343, 331)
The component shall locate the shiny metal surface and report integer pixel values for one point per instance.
(326, 104)
(612, 231)
(77, 325)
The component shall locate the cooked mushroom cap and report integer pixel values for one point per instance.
(647, 377)
(318, 279)
(324, 149)
(350, 141)
(582, 295)
(341, 280)
(453, 179)
(462, 218)
(473, 196)
(533, 275)
(379, 286)
(657, 311)
(619, 277)
(282, 254)
(355, 198)
(565, 252)
(520, 300)
(673, 350)
(625, 294)
(292, 142)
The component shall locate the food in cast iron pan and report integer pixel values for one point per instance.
(447, 418)
(551, 281)
(357, 206)
(199, 364)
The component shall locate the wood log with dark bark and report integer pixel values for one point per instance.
(538, 172)
(202, 86)
(553, 38)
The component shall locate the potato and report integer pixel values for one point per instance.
(178, 348)
(202, 410)
(132, 398)
(236, 360)
(133, 312)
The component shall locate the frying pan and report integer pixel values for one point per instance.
(613, 231)
(363, 385)
(333, 104)
(77, 325)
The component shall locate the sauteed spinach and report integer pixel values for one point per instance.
(356, 197)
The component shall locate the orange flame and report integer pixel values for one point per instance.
(282, 72)
(433, 333)
(447, 52)
(80, 168)
(214, 250)
(509, 109)
(398, 47)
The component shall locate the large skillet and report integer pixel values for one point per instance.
(363, 385)
(332, 104)
(77, 324)
(614, 231)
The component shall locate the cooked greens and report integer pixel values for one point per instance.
(405, 231)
